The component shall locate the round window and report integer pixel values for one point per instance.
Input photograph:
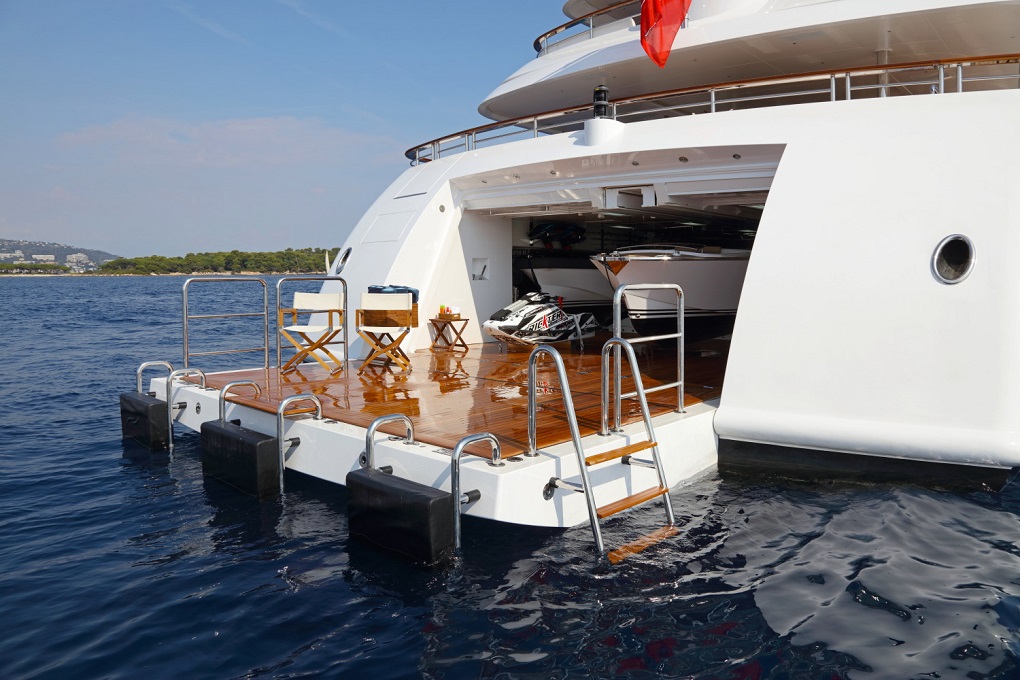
(953, 259)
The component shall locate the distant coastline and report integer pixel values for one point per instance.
(38, 258)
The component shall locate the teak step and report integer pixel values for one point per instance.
(613, 454)
(634, 547)
(631, 501)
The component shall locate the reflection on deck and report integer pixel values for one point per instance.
(452, 394)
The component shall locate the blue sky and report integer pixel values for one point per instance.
(164, 127)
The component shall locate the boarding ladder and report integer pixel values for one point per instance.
(623, 453)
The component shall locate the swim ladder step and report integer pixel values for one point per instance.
(647, 541)
(630, 501)
(620, 452)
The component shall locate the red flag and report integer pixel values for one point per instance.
(660, 21)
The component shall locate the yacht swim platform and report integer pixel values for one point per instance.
(451, 394)
(450, 397)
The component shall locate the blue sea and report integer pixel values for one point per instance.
(118, 563)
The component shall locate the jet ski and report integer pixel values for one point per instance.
(538, 318)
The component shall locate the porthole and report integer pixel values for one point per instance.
(953, 259)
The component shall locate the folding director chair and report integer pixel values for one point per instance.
(384, 320)
(311, 340)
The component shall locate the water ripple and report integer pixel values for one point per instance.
(117, 563)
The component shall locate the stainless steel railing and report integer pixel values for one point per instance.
(592, 20)
(913, 78)
(619, 395)
(188, 317)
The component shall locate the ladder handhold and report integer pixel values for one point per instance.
(631, 501)
(613, 454)
(634, 547)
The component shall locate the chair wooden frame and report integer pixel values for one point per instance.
(314, 340)
(383, 321)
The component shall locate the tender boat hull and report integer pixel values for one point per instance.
(711, 282)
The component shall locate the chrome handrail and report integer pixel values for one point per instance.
(706, 100)
(575, 434)
(367, 459)
(226, 390)
(279, 306)
(264, 314)
(171, 406)
(619, 343)
(458, 451)
(293, 441)
(149, 364)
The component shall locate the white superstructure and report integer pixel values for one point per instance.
(844, 339)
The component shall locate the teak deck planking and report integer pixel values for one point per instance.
(451, 394)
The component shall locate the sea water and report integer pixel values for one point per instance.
(118, 563)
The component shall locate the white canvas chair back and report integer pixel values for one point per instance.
(318, 302)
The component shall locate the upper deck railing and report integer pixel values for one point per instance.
(602, 17)
(913, 78)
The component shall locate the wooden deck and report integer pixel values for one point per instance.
(451, 394)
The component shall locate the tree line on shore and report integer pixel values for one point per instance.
(292, 261)
(33, 268)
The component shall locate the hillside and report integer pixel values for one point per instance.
(81, 259)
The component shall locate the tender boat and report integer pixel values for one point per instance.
(869, 147)
(711, 278)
